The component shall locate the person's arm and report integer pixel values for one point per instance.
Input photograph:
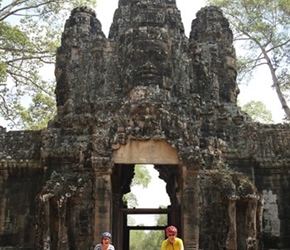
(181, 247)
(97, 247)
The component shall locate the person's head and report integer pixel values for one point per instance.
(106, 238)
(171, 232)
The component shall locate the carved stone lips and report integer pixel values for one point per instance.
(148, 70)
(148, 73)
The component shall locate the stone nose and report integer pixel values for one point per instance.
(149, 65)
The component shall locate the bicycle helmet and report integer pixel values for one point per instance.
(171, 229)
(106, 234)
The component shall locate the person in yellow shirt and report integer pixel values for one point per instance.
(172, 242)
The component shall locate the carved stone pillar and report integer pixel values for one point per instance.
(260, 209)
(191, 209)
(231, 243)
(251, 225)
(62, 229)
(46, 231)
(3, 178)
(103, 202)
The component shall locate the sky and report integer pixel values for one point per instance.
(153, 196)
(259, 89)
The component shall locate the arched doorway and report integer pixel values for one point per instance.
(121, 178)
(166, 162)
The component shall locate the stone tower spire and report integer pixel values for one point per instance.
(210, 31)
(148, 34)
(81, 50)
(126, 2)
(134, 12)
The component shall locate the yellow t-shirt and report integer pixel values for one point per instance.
(177, 244)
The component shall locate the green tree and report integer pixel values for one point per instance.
(29, 36)
(152, 239)
(258, 112)
(37, 115)
(261, 29)
(161, 220)
(137, 237)
(141, 239)
(142, 177)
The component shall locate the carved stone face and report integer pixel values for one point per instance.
(146, 51)
(147, 57)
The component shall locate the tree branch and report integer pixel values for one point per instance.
(17, 78)
(10, 13)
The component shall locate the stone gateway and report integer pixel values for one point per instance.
(147, 94)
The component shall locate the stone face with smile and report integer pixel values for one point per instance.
(146, 57)
(145, 46)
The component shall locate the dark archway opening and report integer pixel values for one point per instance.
(123, 229)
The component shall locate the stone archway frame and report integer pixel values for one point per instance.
(163, 156)
(165, 159)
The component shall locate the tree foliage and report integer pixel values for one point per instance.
(152, 239)
(258, 112)
(146, 240)
(29, 36)
(142, 178)
(37, 115)
(261, 29)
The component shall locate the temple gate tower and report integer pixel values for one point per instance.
(146, 94)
